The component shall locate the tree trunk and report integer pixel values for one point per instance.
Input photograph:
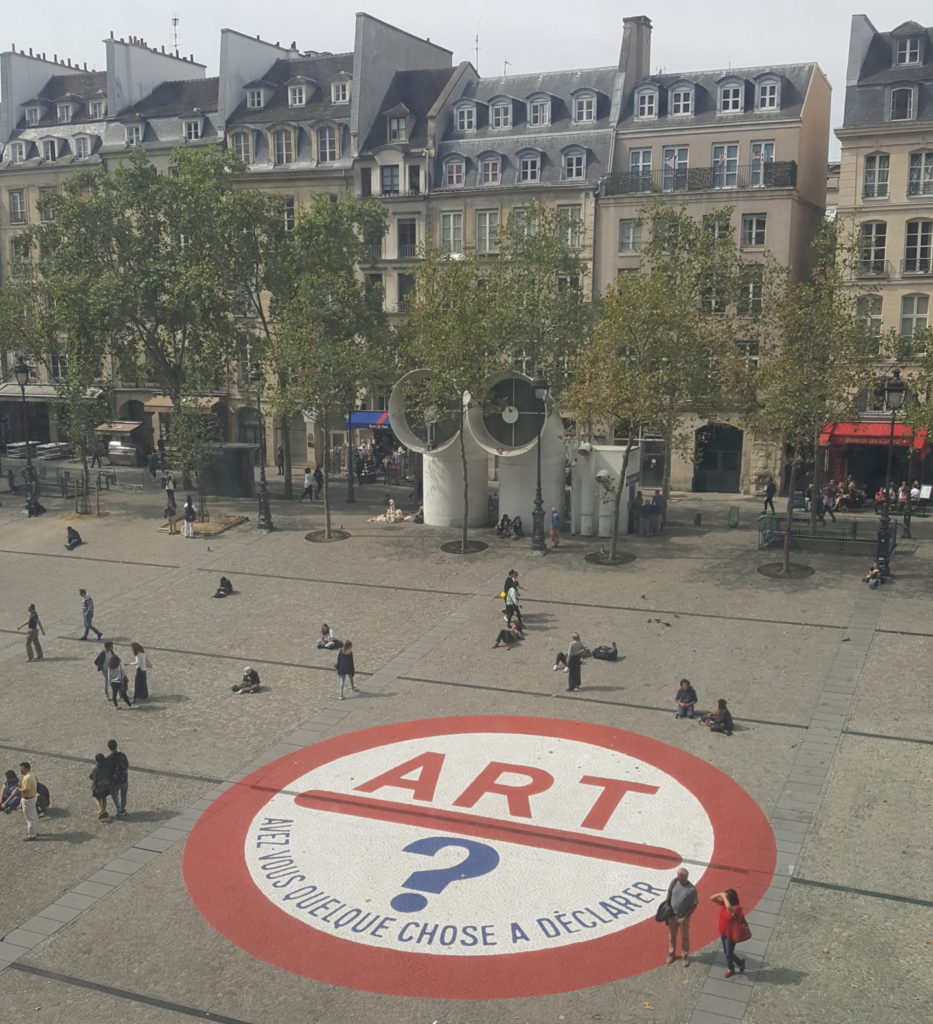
(466, 487)
(817, 480)
(287, 449)
(325, 471)
(668, 454)
(84, 508)
(785, 556)
(351, 497)
(617, 503)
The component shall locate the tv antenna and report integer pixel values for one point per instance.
(175, 20)
(506, 64)
(476, 37)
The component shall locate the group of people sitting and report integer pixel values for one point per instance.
(511, 529)
(392, 514)
(11, 794)
(719, 720)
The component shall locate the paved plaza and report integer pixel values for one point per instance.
(828, 682)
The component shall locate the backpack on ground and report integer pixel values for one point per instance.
(604, 653)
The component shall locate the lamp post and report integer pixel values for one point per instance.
(33, 508)
(351, 497)
(895, 391)
(264, 518)
(538, 545)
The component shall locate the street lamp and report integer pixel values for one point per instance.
(33, 508)
(264, 518)
(895, 391)
(538, 546)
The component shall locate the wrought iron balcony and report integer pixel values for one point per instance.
(721, 178)
(407, 252)
(919, 266)
(873, 268)
(920, 187)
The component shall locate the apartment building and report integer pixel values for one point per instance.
(751, 139)
(886, 195)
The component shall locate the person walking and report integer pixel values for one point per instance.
(168, 482)
(575, 651)
(118, 766)
(730, 912)
(142, 664)
(318, 483)
(685, 699)
(512, 606)
(308, 484)
(101, 664)
(555, 528)
(683, 898)
(32, 625)
(171, 514)
(116, 676)
(770, 491)
(345, 669)
(87, 613)
(280, 461)
(28, 790)
(100, 785)
(189, 515)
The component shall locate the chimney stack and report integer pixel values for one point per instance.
(635, 55)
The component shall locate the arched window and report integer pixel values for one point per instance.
(490, 169)
(283, 146)
(327, 145)
(646, 102)
(454, 172)
(584, 107)
(920, 175)
(919, 247)
(574, 163)
(539, 110)
(240, 143)
(731, 95)
(875, 178)
(901, 104)
(768, 93)
(465, 117)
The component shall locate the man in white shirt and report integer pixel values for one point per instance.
(308, 491)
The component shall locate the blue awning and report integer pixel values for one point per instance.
(369, 420)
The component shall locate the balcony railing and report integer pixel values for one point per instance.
(721, 178)
(873, 268)
(407, 252)
(374, 252)
(920, 266)
(917, 187)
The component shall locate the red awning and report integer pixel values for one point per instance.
(874, 433)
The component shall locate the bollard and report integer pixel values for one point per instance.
(733, 516)
(698, 519)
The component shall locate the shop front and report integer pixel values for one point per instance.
(860, 451)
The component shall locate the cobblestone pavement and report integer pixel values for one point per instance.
(827, 681)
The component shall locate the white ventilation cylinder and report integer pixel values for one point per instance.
(518, 478)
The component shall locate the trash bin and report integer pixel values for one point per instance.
(733, 516)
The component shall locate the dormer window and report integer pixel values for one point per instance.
(283, 146)
(134, 134)
(192, 130)
(454, 172)
(240, 142)
(901, 104)
(539, 111)
(500, 115)
(33, 115)
(50, 150)
(731, 100)
(490, 170)
(64, 112)
(398, 129)
(466, 118)
(97, 109)
(574, 164)
(529, 167)
(768, 94)
(82, 147)
(646, 103)
(907, 51)
(17, 152)
(584, 107)
(254, 99)
(681, 101)
(296, 96)
(340, 92)
(326, 145)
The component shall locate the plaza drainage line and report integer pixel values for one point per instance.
(588, 700)
(36, 754)
(122, 993)
(86, 558)
(881, 736)
(913, 900)
(346, 583)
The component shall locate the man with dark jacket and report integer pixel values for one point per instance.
(119, 767)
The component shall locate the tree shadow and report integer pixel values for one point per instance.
(779, 976)
(145, 816)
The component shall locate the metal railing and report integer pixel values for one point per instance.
(873, 268)
(722, 177)
(407, 252)
(920, 266)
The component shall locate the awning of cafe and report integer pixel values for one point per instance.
(368, 420)
(118, 427)
(162, 403)
(875, 433)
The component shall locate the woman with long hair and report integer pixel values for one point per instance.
(142, 664)
(345, 669)
(118, 681)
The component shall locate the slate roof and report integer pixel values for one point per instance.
(866, 102)
(795, 80)
(550, 140)
(77, 88)
(416, 92)
(323, 69)
(175, 99)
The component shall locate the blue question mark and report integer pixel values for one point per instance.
(480, 860)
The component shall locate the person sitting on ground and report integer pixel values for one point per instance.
(685, 698)
(509, 636)
(504, 527)
(579, 647)
(225, 588)
(73, 538)
(517, 528)
(9, 795)
(719, 720)
(873, 577)
(328, 639)
(250, 682)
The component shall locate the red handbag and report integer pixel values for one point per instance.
(737, 929)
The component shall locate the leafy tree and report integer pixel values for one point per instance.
(195, 435)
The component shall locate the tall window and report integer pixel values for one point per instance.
(574, 165)
(501, 115)
(283, 151)
(46, 204)
(17, 255)
(584, 108)
(682, 101)
(539, 112)
(389, 179)
(753, 229)
(919, 247)
(407, 230)
(134, 134)
(872, 244)
(875, 181)
(466, 119)
(868, 309)
(406, 288)
(17, 206)
(50, 149)
(241, 146)
(58, 364)
(17, 152)
(33, 115)
(902, 104)
(64, 112)
(288, 212)
(718, 225)
(490, 170)
(646, 104)
(629, 235)
(725, 165)
(920, 176)
(908, 51)
(398, 129)
(97, 109)
(192, 130)
(529, 167)
(915, 311)
(453, 173)
(674, 173)
(571, 219)
(340, 92)
(639, 165)
(326, 145)
(751, 291)
(487, 230)
(730, 99)
(762, 154)
(296, 95)
(452, 232)
(82, 147)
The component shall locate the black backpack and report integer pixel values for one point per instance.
(119, 768)
(100, 659)
(604, 653)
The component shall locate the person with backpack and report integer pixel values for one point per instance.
(100, 663)
(189, 515)
(100, 786)
(512, 607)
(119, 767)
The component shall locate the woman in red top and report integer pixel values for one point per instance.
(728, 901)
